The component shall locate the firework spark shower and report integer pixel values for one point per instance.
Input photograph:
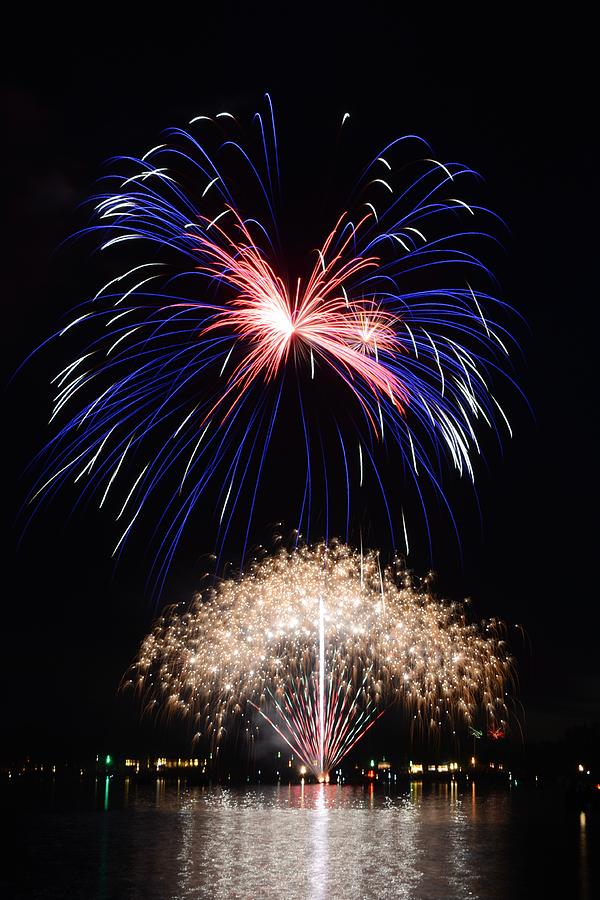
(319, 642)
(301, 413)
(207, 332)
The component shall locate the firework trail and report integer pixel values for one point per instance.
(190, 352)
(319, 642)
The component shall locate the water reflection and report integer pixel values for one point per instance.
(161, 792)
(326, 841)
(173, 840)
(583, 854)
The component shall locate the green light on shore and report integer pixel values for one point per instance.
(108, 760)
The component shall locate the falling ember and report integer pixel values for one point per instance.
(305, 642)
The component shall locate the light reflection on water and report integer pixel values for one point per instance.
(173, 840)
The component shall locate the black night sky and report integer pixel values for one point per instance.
(516, 101)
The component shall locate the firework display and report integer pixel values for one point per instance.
(319, 642)
(203, 334)
(217, 369)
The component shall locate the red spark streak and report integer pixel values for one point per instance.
(345, 332)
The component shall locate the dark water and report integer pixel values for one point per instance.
(170, 840)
